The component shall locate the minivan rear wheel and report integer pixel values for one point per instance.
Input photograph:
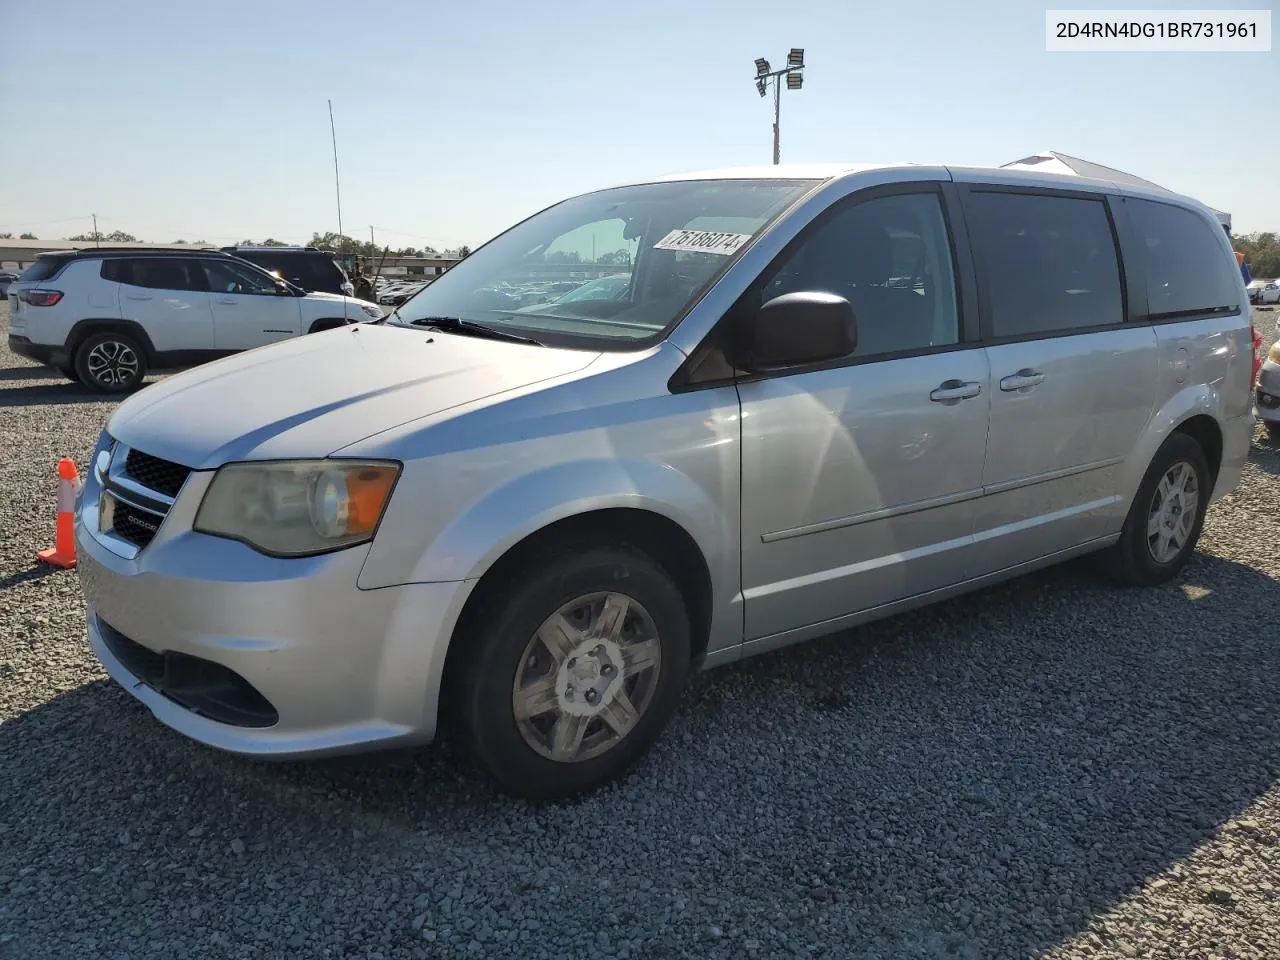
(1166, 516)
(111, 362)
(572, 670)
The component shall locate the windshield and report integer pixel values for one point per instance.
(650, 250)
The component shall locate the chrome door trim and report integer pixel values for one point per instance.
(1006, 485)
(867, 516)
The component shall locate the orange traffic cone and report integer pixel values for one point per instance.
(63, 553)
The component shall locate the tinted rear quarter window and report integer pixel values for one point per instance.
(1187, 270)
(1049, 262)
(43, 268)
(154, 273)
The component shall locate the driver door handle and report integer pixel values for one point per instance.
(137, 296)
(227, 300)
(952, 390)
(1022, 380)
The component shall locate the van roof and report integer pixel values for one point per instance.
(959, 173)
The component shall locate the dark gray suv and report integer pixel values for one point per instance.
(312, 269)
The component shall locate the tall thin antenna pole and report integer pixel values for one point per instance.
(97, 241)
(337, 188)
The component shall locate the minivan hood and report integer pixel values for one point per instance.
(313, 395)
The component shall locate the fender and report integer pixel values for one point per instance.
(1193, 400)
(86, 328)
(470, 543)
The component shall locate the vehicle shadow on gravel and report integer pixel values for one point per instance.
(30, 373)
(1265, 454)
(52, 394)
(979, 778)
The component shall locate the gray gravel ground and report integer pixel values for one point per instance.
(1052, 768)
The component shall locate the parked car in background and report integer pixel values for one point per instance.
(397, 293)
(1254, 288)
(105, 317)
(6, 277)
(602, 288)
(1270, 292)
(536, 525)
(315, 271)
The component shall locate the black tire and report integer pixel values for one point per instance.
(1132, 559)
(69, 373)
(329, 323)
(496, 640)
(1273, 430)
(111, 362)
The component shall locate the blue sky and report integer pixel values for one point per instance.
(209, 121)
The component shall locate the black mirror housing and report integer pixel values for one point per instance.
(795, 329)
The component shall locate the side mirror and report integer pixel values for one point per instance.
(795, 329)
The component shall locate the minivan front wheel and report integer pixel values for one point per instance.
(573, 671)
(111, 362)
(1165, 518)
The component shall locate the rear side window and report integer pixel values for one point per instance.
(1186, 268)
(43, 269)
(155, 273)
(1050, 263)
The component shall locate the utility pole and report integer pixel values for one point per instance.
(777, 121)
(97, 239)
(795, 79)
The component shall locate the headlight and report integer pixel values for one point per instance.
(371, 311)
(297, 508)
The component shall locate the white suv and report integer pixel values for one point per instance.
(104, 317)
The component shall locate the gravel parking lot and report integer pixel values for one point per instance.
(1053, 768)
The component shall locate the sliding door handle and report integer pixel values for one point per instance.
(952, 390)
(1022, 380)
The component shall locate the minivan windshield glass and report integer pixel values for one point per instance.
(608, 268)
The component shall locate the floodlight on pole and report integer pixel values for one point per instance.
(795, 79)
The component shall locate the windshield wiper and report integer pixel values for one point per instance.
(458, 325)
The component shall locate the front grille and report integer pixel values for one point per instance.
(136, 526)
(163, 476)
(205, 688)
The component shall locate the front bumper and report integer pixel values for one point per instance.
(1266, 396)
(341, 669)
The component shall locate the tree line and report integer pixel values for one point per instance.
(1262, 253)
(331, 242)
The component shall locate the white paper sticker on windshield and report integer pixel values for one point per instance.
(702, 241)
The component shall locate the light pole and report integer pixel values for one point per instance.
(795, 78)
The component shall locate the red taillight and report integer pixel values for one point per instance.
(1257, 352)
(40, 298)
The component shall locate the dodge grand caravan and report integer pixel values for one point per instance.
(826, 396)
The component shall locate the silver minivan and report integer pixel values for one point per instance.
(826, 395)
